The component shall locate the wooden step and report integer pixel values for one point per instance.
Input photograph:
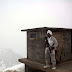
(35, 65)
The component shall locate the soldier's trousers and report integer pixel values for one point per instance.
(49, 56)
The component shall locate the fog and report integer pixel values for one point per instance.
(25, 14)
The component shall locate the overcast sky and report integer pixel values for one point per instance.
(22, 14)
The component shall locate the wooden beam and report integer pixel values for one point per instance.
(35, 65)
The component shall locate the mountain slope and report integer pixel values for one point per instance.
(8, 58)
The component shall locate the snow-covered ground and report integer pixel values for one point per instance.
(19, 68)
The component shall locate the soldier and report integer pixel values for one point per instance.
(51, 44)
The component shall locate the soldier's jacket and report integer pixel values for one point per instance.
(52, 42)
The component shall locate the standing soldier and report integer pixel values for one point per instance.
(51, 44)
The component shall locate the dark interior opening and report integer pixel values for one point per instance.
(71, 41)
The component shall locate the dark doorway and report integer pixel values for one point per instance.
(71, 41)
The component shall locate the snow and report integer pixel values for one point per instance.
(19, 68)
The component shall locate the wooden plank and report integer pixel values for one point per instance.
(62, 67)
(35, 65)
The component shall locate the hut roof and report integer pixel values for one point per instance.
(51, 28)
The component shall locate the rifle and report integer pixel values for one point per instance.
(47, 44)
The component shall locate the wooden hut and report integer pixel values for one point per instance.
(36, 47)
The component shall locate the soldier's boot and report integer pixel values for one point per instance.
(47, 65)
(54, 66)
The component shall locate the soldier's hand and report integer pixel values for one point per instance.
(52, 48)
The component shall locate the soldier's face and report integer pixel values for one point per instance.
(48, 35)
